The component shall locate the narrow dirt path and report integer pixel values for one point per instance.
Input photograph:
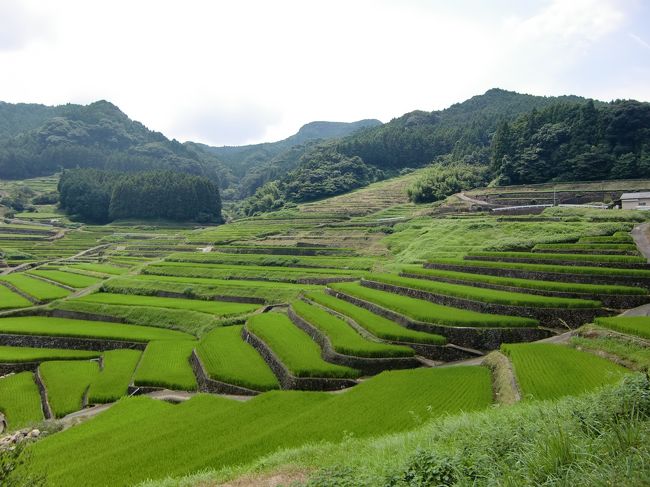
(640, 236)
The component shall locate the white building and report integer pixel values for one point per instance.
(635, 201)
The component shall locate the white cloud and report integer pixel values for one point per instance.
(229, 72)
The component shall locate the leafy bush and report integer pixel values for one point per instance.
(439, 181)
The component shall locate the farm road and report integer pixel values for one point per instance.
(642, 239)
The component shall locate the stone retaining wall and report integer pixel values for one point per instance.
(134, 390)
(207, 384)
(523, 260)
(587, 251)
(288, 380)
(367, 365)
(546, 276)
(42, 390)
(298, 251)
(70, 343)
(13, 288)
(618, 301)
(81, 315)
(15, 368)
(550, 317)
(229, 299)
(474, 338)
(445, 353)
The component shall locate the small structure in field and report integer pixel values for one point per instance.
(635, 201)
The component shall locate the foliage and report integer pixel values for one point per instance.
(574, 142)
(100, 196)
(37, 140)
(322, 172)
(439, 181)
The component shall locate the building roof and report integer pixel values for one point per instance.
(635, 196)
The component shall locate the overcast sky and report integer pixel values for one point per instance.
(235, 72)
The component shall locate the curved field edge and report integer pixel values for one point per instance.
(152, 439)
(600, 438)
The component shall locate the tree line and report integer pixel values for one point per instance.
(102, 196)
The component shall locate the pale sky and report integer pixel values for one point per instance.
(235, 72)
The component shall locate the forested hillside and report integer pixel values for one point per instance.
(36, 140)
(246, 168)
(102, 196)
(573, 142)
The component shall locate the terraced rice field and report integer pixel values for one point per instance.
(297, 351)
(228, 358)
(290, 261)
(273, 292)
(551, 268)
(484, 295)
(343, 337)
(215, 432)
(218, 308)
(39, 325)
(547, 371)
(224, 271)
(567, 287)
(375, 324)
(20, 401)
(76, 281)
(27, 354)
(66, 383)
(166, 364)
(36, 288)
(586, 258)
(10, 299)
(420, 310)
(632, 325)
(114, 378)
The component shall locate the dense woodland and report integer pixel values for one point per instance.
(102, 196)
(512, 138)
(574, 142)
(36, 140)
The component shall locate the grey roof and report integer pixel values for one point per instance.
(634, 196)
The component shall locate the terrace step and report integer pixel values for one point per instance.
(579, 263)
(617, 301)
(213, 386)
(288, 380)
(70, 343)
(551, 317)
(465, 337)
(544, 275)
(368, 365)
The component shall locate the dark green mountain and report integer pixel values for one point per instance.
(243, 169)
(462, 132)
(36, 140)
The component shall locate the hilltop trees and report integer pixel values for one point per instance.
(573, 142)
(102, 196)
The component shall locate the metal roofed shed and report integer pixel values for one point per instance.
(635, 201)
